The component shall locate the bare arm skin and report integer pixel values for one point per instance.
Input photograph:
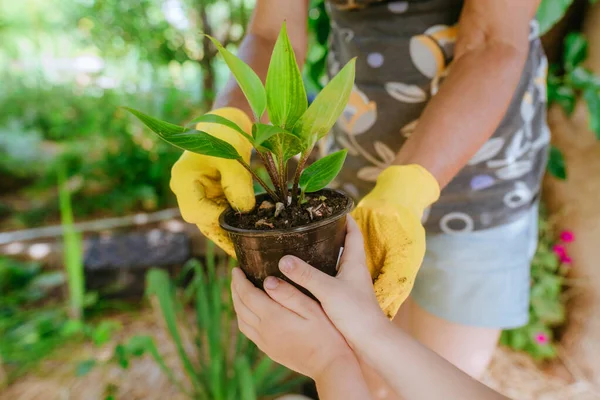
(490, 54)
(260, 38)
(343, 380)
(424, 375)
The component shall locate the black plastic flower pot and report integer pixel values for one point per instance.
(318, 243)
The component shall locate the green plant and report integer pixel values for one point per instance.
(29, 329)
(223, 364)
(319, 28)
(72, 250)
(296, 126)
(33, 321)
(547, 305)
(570, 81)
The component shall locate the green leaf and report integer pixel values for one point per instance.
(329, 104)
(104, 332)
(159, 285)
(263, 132)
(581, 78)
(286, 96)
(217, 119)
(564, 96)
(593, 102)
(277, 140)
(73, 247)
(245, 382)
(320, 173)
(556, 163)
(191, 140)
(550, 12)
(139, 345)
(576, 47)
(249, 82)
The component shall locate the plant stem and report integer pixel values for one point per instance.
(276, 175)
(299, 169)
(283, 177)
(271, 170)
(262, 183)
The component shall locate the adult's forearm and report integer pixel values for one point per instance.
(342, 379)
(416, 373)
(466, 111)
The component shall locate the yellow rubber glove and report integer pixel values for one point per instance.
(390, 220)
(205, 185)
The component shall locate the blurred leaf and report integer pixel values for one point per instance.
(84, 367)
(564, 96)
(139, 345)
(262, 370)
(72, 327)
(245, 382)
(159, 285)
(121, 356)
(556, 164)
(247, 79)
(576, 47)
(592, 99)
(49, 280)
(329, 104)
(581, 78)
(286, 96)
(90, 299)
(191, 140)
(320, 173)
(550, 12)
(104, 332)
(73, 248)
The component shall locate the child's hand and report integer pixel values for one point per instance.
(348, 299)
(296, 332)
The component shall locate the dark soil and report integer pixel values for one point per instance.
(317, 206)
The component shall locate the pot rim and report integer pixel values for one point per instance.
(277, 232)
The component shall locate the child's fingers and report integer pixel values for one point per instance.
(249, 331)
(290, 297)
(317, 282)
(243, 312)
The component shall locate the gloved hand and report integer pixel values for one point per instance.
(390, 220)
(206, 185)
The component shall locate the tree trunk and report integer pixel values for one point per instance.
(576, 204)
(208, 72)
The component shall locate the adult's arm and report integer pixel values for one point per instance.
(261, 35)
(490, 53)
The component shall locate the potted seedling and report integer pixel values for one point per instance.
(303, 219)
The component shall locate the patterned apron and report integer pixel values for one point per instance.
(403, 50)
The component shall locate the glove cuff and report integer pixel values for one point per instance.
(413, 185)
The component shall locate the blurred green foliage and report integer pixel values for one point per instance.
(66, 69)
(218, 362)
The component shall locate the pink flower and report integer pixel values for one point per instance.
(565, 259)
(567, 236)
(559, 250)
(541, 338)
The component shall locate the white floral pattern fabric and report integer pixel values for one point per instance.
(404, 50)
